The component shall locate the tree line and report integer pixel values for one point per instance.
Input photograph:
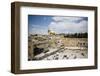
(76, 35)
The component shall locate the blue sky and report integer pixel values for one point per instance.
(39, 24)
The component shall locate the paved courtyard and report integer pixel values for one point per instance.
(67, 53)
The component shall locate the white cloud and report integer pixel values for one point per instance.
(68, 25)
(66, 18)
(62, 25)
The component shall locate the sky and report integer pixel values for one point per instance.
(39, 24)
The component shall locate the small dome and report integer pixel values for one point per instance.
(51, 32)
